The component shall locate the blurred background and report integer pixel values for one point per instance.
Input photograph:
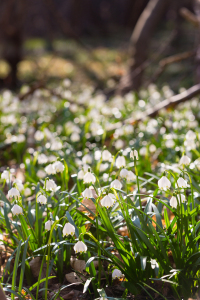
(114, 45)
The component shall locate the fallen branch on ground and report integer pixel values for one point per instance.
(170, 102)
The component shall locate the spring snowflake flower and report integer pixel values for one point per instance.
(116, 274)
(87, 193)
(106, 155)
(6, 175)
(164, 183)
(50, 169)
(112, 196)
(116, 184)
(42, 159)
(185, 160)
(131, 176)
(51, 185)
(58, 166)
(190, 135)
(39, 135)
(68, 229)
(89, 178)
(123, 173)
(48, 225)
(134, 154)
(181, 183)
(154, 264)
(19, 184)
(75, 137)
(17, 210)
(107, 201)
(80, 174)
(13, 192)
(87, 159)
(181, 198)
(27, 192)
(120, 162)
(42, 199)
(173, 202)
(80, 247)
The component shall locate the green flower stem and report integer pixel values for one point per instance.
(138, 184)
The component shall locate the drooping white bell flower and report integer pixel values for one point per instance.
(173, 202)
(6, 175)
(116, 184)
(68, 229)
(89, 178)
(27, 192)
(120, 162)
(51, 185)
(134, 154)
(181, 183)
(13, 192)
(154, 263)
(42, 199)
(185, 160)
(112, 196)
(80, 247)
(131, 176)
(87, 159)
(123, 173)
(42, 159)
(59, 167)
(107, 201)
(87, 193)
(17, 210)
(181, 198)
(80, 174)
(164, 183)
(48, 225)
(50, 169)
(190, 135)
(116, 274)
(39, 135)
(106, 155)
(19, 184)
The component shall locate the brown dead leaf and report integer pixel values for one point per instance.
(89, 204)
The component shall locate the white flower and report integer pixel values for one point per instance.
(68, 229)
(116, 184)
(185, 160)
(59, 167)
(89, 178)
(173, 202)
(131, 176)
(120, 162)
(42, 159)
(181, 198)
(13, 192)
(123, 173)
(41, 174)
(87, 193)
(19, 184)
(106, 155)
(103, 298)
(17, 210)
(39, 135)
(112, 196)
(181, 183)
(87, 159)
(116, 274)
(27, 192)
(75, 137)
(50, 169)
(133, 154)
(154, 263)
(6, 175)
(107, 201)
(80, 247)
(41, 199)
(51, 186)
(48, 225)
(190, 135)
(164, 183)
(80, 174)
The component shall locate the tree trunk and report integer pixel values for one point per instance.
(139, 43)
